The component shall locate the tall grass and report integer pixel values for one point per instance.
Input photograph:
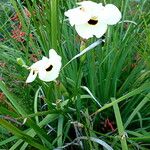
(101, 99)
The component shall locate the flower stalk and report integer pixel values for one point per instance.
(54, 23)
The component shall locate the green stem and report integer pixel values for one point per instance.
(54, 23)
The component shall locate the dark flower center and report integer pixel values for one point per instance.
(92, 22)
(49, 68)
(33, 72)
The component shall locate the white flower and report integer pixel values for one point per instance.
(47, 69)
(92, 19)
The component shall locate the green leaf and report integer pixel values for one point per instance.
(60, 130)
(139, 90)
(22, 135)
(120, 126)
(137, 109)
(12, 99)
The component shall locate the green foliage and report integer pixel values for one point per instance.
(67, 113)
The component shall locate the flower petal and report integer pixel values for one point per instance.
(36, 65)
(45, 59)
(42, 73)
(52, 53)
(87, 31)
(111, 14)
(53, 73)
(88, 4)
(32, 76)
(99, 30)
(84, 30)
(53, 56)
(77, 16)
(49, 76)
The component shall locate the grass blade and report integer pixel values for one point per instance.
(130, 94)
(60, 130)
(120, 126)
(22, 135)
(137, 109)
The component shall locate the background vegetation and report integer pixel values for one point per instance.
(100, 98)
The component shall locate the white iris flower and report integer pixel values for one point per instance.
(47, 69)
(92, 19)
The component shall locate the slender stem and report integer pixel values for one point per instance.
(54, 23)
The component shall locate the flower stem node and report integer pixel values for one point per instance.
(47, 69)
(91, 18)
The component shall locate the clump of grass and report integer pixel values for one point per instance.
(100, 99)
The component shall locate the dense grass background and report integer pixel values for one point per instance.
(115, 75)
